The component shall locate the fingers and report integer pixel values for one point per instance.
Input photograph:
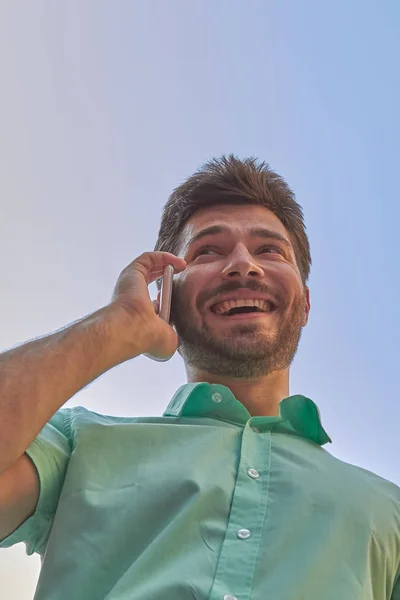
(152, 264)
(157, 261)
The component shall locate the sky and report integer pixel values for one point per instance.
(107, 106)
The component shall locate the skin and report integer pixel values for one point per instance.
(251, 356)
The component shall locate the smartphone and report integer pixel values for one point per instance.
(165, 301)
(166, 293)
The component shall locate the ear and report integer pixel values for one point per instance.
(307, 306)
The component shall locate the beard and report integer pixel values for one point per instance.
(243, 350)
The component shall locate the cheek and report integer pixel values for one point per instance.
(288, 287)
(191, 283)
(183, 294)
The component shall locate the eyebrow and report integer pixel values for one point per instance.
(259, 232)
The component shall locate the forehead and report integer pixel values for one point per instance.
(239, 219)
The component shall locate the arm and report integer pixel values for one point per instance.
(19, 495)
(37, 378)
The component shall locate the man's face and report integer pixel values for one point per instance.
(236, 260)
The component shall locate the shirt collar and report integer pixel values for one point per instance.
(298, 415)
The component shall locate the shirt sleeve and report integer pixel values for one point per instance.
(50, 453)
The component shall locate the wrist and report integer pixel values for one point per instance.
(122, 337)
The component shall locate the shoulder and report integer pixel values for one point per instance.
(367, 480)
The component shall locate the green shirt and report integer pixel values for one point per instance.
(207, 502)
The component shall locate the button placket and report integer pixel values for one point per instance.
(237, 560)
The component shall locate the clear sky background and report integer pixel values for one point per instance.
(106, 106)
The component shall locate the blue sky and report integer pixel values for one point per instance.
(107, 106)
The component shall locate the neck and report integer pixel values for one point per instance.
(260, 396)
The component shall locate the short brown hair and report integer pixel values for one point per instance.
(229, 180)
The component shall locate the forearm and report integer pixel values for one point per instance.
(37, 378)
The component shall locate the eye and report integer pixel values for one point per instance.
(271, 249)
(203, 250)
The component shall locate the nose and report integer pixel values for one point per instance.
(241, 263)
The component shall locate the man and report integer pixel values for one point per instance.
(229, 495)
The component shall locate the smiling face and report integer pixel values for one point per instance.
(234, 251)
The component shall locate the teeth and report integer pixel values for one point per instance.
(224, 307)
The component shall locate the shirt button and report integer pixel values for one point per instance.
(256, 430)
(216, 397)
(229, 597)
(243, 534)
(253, 473)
